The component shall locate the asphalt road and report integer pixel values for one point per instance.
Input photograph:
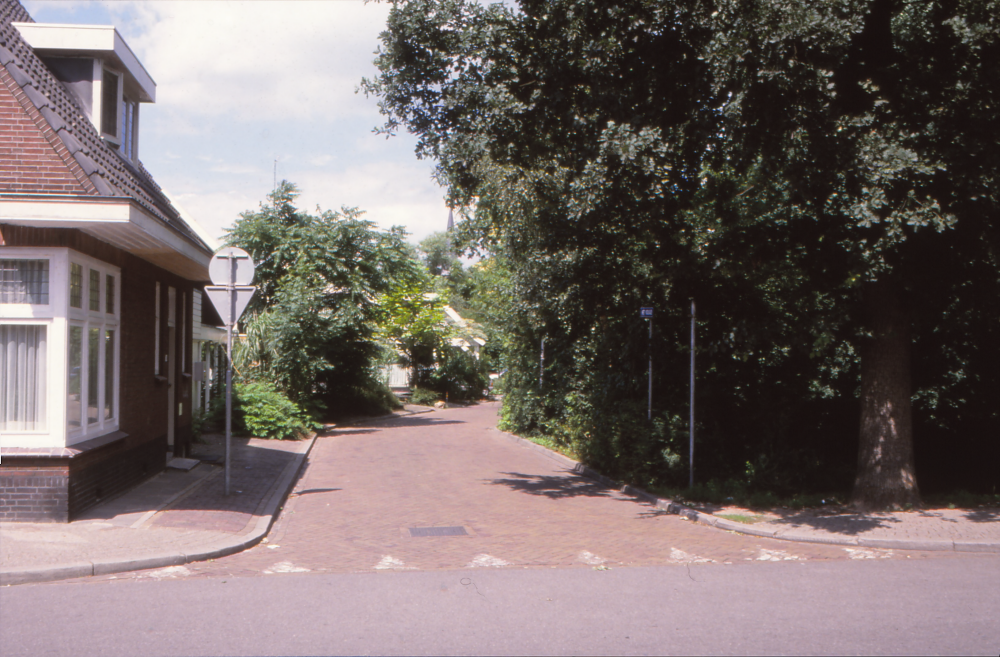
(938, 606)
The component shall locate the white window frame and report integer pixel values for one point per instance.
(57, 317)
(113, 137)
(128, 148)
(95, 319)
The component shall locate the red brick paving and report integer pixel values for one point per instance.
(365, 485)
(254, 468)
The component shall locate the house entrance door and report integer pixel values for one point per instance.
(171, 387)
(171, 365)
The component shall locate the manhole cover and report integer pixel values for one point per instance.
(438, 531)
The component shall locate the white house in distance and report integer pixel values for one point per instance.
(100, 276)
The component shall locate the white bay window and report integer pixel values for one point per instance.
(59, 347)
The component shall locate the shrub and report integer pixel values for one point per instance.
(373, 399)
(261, 410)
(424, 397)
(198, 421)
(459, 374)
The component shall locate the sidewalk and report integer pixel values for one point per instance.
(173, 518)
(959, 530)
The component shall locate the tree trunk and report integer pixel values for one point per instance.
(886, 477)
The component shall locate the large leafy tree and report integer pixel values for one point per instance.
(822, 172)
(311, 326)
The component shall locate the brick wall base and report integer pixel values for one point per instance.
(58, 485)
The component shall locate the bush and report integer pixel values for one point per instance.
(424, 397)
(198, 421)
(372, 399)
(459, 374)
(261, 410)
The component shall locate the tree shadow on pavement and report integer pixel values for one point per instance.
(197, 499)
(984, 515)
(848, 523)
(555, 487)
(405, 421)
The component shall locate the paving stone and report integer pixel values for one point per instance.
(366, 484)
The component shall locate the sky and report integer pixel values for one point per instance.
(241, 85)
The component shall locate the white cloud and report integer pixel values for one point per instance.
(282, 61)
(242, 84)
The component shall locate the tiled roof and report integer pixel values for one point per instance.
(99, 168)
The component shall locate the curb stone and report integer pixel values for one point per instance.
(378, 418)
(728, 525)
(272, 502)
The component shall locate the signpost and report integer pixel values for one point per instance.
(646, 312)
(691, 418)
(541, 366)
(231, 269)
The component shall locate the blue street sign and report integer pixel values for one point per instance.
(646, 312)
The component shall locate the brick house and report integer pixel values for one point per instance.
(99, 274)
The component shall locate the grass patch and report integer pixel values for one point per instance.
(961, 499)
(554, 446)
(739, 517)
(735, 493)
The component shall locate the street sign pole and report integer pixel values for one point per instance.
(229, 396)
(649, 404)
(691, 418)
(231, 270)
(541, 366)
(646, 312)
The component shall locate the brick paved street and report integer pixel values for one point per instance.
(366, 485)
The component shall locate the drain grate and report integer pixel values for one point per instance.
(438, 531)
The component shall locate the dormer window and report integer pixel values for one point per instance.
(118, 114)
(98, 67)
(110, 93)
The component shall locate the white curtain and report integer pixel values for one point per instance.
(22, 377)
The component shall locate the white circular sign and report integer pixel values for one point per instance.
(231, 266)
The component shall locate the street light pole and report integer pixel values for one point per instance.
(649, 403)
(691, 405)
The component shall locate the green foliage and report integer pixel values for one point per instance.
(267, 413)
(310, 328)
(458, 374)
(262, 411)
(411, 319)
(425, 397)
(772, 160)
(199, 419)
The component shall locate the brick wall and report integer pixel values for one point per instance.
(103, 473)
(34, 490)
(28, 161)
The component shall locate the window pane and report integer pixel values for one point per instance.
(93, 360)
(109, 104)
(128, 129)
(24, 281)
(75, 285)
(95, 290)
(109, 301)
(75, 403)
(109, 374)
(22, 378)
